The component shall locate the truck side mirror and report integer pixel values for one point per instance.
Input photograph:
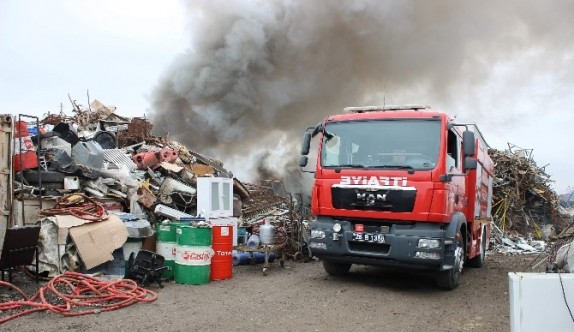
(305, 146)
(468, 144)
(470, 163)
(303, 161)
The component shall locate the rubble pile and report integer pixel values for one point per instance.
(523, 202)
(527, 215)
(269, 201)
(96, 160)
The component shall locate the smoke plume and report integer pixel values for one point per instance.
(258, 72)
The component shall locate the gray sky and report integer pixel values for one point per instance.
(505, 65)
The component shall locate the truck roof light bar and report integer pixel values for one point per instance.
(363, 109)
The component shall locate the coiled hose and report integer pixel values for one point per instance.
(77, 294)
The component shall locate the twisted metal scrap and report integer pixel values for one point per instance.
(522, 195)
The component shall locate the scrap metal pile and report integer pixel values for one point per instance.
(270, 201)
(525, 208)
(98, 157)
(114, 159)
(522, 198)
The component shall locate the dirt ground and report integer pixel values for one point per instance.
(302, 297)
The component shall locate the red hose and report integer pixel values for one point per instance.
(78, 294)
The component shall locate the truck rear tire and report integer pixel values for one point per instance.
(449, 279)
(478, 261)
(336, 269)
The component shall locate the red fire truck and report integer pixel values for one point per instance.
(400, 186)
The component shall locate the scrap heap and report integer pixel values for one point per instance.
(96, 160)
(113, 158)
(523, 202)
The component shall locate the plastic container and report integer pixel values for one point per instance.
(241, 258)
(242, 235)
(267, 234)
(259, 257)
(253, 241)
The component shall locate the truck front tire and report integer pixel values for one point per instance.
(449, 279)
(336, 269)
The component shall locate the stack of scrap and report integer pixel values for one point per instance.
(266, 198)
(270, 203)
(523, 201)
(115, 163)
(114, 158)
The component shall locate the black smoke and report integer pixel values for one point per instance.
(258, 72)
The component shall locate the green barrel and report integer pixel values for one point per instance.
(193, 255)
(165, 246)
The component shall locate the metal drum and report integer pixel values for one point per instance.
(165, 246)
(222, 244)
(193, 255)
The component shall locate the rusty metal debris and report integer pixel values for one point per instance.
(117, 163)
(523, 201)
(527, 215)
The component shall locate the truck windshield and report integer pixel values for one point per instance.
(401, 144)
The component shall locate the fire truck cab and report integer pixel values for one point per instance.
(400, 186)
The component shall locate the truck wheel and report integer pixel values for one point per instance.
(478, 261)
(336, 269)
(449, 279)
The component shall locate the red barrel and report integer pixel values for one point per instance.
(20, 129)
(222, 245)
(24, 150)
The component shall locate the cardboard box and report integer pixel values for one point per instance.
(64, 223)
(96, 241)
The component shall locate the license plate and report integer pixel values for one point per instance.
(369, 237)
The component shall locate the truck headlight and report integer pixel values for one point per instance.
(337, 227)
(317, 234)
(428, 243)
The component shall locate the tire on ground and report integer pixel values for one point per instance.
(336, 269)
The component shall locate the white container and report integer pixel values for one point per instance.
(267, 234)
(537, 301)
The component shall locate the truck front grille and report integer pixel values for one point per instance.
(373, 200)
